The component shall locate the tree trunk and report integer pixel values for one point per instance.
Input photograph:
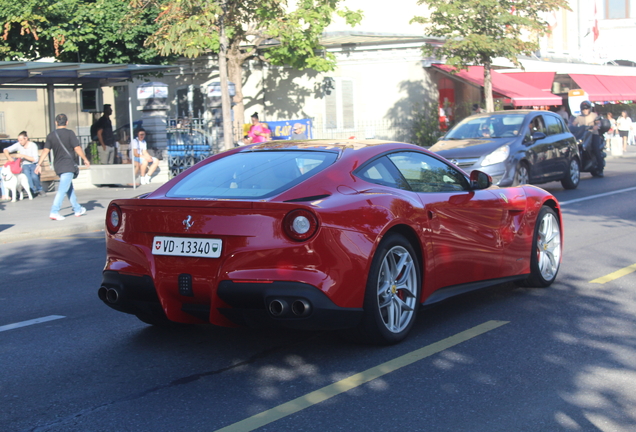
(226, 108)
(490, 105)
(235, 72)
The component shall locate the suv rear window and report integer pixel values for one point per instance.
(252, 175)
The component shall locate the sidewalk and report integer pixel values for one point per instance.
(29, 219)
(23, 220)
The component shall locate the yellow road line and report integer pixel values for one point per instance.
(356, 380)
(617, 274)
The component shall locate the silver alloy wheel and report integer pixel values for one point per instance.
(397, 288)
(575, 172)
(549, 246)
(522, 175)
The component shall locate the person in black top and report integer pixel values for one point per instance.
(64, 144)
(105, 137)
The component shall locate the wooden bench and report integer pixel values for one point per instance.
(47, 174)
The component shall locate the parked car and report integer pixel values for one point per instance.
(352, 235)
(514, 147)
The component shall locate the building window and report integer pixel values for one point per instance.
(617, 9)
(339, 105)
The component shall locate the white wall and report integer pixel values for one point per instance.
(382, 17)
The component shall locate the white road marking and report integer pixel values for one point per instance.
(562, 203)
(30, 322)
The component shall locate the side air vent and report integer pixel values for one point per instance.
(309, 198)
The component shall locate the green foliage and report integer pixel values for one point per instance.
(93, 153)
(476, 31)
(97, 31)
(271, 30)
(425, 130)
(281, 34)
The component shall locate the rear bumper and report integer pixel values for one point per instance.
(253, 304)
(129, 293)
(283, 304)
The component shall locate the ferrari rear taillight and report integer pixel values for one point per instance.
(300, 225)
(113, 218)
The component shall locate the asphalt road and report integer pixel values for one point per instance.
(558, 359)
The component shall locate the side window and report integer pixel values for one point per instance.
(537, 125)
(553, 125)
(425, 173)
(381, 171)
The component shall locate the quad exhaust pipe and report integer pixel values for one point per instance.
(280, 308)
(112, 295)
(301, 307)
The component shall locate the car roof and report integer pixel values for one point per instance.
(341, 146)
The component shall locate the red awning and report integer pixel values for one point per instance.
(541, 80)
(619, 86)
(520, 93)
(607, 87)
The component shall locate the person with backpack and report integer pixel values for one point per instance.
(103, 128)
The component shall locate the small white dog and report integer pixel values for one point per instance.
(15, 183)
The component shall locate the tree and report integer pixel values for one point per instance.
(476, 31)
(94, 31)
(268, 29)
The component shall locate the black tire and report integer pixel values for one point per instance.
(387, 294)
(545, 258)
(522, 175)
(573, 176)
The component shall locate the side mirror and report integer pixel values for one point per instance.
(480, 180)
(536, 136)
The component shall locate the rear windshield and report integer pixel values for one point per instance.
(252, 174)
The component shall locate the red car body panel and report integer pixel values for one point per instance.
(461, 237)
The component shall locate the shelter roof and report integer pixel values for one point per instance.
(15, 73)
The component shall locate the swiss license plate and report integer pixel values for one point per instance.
(194, 247)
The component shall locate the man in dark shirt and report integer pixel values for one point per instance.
(105, 137)
(64, 144)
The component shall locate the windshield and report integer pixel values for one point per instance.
(252, 174)
(494, 126)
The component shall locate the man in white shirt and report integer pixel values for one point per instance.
(28, 152)
(141, 157)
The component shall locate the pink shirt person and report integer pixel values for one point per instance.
(259, 131)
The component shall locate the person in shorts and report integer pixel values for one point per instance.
(141, 157)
